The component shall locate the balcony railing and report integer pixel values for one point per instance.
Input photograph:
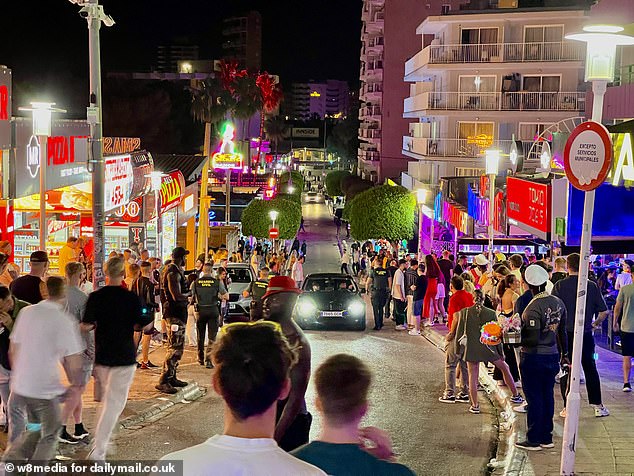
(368, 155)
(507, 52)
(508, 101)
(370, 133)
(370, 111)
(466, 148)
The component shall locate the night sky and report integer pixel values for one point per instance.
(45, 42)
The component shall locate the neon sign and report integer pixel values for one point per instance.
(315, 94)
(483, 141)
(449, 213)
(33, 157)
(227, 158)
(624, 169)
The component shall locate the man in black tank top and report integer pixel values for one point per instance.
(31, 287)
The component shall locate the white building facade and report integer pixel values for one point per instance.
(486, 78)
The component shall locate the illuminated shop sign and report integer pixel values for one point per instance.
(172, 186)
(623, 164)
(446, 212)
(478, 207)
(120, 145)
(5, 108)
(227, 158)
(528, 206)
(119, 180)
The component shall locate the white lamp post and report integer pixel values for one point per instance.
(42, 118)
(491, 168)
(421, 198)
(156, 179)
(273, 214)
(601, 41)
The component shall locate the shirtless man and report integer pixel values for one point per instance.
(293, 419)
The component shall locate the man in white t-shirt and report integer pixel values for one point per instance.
(43, 337)
(399, 295)
(297, 272)
(252, 366)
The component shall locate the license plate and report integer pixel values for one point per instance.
(232, 306)
(331, 313)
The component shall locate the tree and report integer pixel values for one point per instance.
(385, 212)
(256, 221)
(275, 129)
(296, 179)
(333, 182)
(344, 139)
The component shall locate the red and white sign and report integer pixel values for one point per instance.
(588, 156)
(528, 205)
(119, 181)
(274, 233)
(5, 107)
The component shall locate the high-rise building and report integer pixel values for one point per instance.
(388, 39)
(168, 56)
(483, 77)
(319, 98)
(242, 40)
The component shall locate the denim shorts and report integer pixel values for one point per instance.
(418, 307)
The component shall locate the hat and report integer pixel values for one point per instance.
(281, 284)
(630, 263)
(535, 275)
(179, 252)
(39, 257)
(481, 260)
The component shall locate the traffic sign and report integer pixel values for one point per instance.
(588, 156)
(274, 233)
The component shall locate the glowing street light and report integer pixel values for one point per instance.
(273, 214)
(156, 179)
(601, 41)
(42, 124)
(492, 161)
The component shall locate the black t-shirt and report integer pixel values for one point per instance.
(421, 287)
(457, 271)
(557, 276)
(115, 311)
(391, 270)
(446, 267)
(566, 290)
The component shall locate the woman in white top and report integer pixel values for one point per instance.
(625, 277)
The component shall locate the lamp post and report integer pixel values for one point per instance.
(421, 198)
(492, 163)
(273, 214)
(42, 118)
(156, 179)
(601, 41)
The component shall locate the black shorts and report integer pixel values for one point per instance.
(627, 344)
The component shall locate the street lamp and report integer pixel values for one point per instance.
(42, 118)
(492, 157)
(601, 41)
(156, 179)
(421, 198)
(273, 214)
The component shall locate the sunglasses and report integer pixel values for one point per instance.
(235, 325)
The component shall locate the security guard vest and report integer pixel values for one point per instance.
(258, 289)
(379, 279)
(206, 289)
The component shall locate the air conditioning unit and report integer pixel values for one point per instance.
(507, 3)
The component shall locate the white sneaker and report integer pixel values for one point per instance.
(563, 413)
(426, 323)
(521, 408)
(401, 327)
(600, 411)
(518, 384)
(414, 332)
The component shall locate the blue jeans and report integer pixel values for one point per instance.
(538, 381)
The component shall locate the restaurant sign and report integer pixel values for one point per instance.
(172, 187)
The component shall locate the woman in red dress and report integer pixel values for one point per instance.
(432, 270)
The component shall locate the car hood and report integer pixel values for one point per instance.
(237, 288)
(330, 300)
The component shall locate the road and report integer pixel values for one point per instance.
(430, 437)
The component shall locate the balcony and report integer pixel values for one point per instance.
(372, 91)
(421, 147)
(417, 106)
(370, 113)
(375, 23)
(546, 52)
(371, 135)
(368, 155)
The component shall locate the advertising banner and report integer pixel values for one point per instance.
(528, 206)
(305, 132)
(172, 187)
(5, 108)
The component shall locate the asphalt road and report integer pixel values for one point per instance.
(432, 438)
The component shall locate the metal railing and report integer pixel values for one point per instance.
(368, 155)
(370, 133)
(466, 148)
(508, 101)
(624, 75)
(370, 111)
(507, 52)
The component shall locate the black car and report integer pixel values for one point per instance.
(330, 301)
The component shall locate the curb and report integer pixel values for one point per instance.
(507, 460)
(192, 392)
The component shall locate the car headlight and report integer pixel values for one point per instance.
(306, 307)
(356, 307)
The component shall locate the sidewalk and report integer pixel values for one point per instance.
(605, 445)
(145, 403)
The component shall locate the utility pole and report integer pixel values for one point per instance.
(94, 15)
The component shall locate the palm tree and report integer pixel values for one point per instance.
(276, 129)
(210, 104)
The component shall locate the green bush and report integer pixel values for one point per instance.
(256, 221)
(293, 197)
(334, 180)
(385, 212)
(296, 178)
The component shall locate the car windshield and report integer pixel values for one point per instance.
(329, 284)
(312, 193)
(239, 275)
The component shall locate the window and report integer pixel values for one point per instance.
(540, 83)
(479, 36)
(445, 9)
(477, 84)
(473, 129)
(529, 131)
(543, 43)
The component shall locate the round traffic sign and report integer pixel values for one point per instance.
(588, 156)
(274, 233)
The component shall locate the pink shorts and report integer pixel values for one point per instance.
(440, 293)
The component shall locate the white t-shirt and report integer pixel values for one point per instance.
(45, 334)
(224, 455)
(623, 279)
(297, 273)
(398, 284)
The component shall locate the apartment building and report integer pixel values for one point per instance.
(242, 40)
(388, 38)
(485, 77)
(319, 98)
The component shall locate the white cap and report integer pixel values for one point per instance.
(481, 260)
(535, 275)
